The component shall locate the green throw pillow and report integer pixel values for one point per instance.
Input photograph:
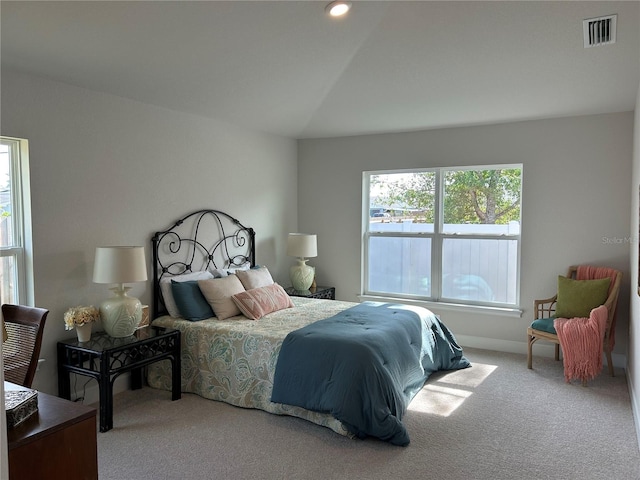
(576, 298)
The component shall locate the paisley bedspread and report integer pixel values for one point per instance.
(234, 360)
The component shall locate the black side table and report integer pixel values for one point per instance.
(105, 358)
(317, 292)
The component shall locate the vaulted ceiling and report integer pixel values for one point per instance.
(285, 67)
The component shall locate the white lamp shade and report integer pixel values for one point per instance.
(302, 245)
(119, 265)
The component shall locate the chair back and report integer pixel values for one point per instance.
(21, 349)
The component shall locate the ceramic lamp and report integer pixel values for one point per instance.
(302, 245)
(121, 313)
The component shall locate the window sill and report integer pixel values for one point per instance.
(476, 309)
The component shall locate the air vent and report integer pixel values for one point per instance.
(599, 31)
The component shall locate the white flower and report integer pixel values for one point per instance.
(80, 315)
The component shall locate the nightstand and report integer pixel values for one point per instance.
(328, 293)
(105, 358)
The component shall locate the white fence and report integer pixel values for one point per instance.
(476, 269)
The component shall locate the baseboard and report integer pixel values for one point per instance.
(509, 346)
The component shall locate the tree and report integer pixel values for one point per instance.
(470, 196)
(410, 194)
(482, 196)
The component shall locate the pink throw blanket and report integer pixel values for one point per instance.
(581, 340)
(588, 272)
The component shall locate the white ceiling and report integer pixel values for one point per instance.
(284, 67)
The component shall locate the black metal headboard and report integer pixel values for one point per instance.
(201, 240)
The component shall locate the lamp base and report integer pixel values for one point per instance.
(120, 314)
(302, 275)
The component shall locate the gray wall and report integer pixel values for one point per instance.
(576, 190)
(110, 171)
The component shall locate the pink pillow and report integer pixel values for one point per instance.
(257, 302)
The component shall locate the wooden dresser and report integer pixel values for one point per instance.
(57, 442)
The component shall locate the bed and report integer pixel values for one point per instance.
(245, 361)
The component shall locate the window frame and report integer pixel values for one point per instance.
(438, 237)
(21, 250)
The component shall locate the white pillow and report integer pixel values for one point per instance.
(218, 292)
(167, 293)
(255, 278)
(224, 272)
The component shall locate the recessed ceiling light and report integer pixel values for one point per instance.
(338, 8)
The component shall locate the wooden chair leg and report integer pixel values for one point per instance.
(529, 353)
(609, 362)
(557, 351)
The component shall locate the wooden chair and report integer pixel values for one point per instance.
(21, 349)
(545, 309)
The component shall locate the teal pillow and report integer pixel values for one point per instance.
(576, 298)
(190, 302)
(544, 324)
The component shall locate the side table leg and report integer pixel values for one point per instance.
(136, 378)
(106, 396)
(64, 382)
(176, 383)
(176, 371)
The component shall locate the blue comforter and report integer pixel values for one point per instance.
(365, 365)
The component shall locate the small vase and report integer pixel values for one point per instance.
(83, 332)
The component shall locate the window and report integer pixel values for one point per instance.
(15, 223)
(445, 235)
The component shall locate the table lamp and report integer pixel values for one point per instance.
(302, 245)
(121, 313)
